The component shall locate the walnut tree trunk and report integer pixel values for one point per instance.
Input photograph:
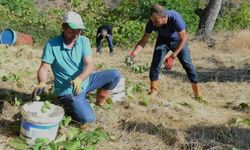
(208, 17)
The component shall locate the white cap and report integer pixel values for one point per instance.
(74, 20)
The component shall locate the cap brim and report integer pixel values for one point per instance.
(76, 26)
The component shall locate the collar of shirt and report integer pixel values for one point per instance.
(65, 46)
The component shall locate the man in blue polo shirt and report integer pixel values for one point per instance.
(171, 36)
(69, 56)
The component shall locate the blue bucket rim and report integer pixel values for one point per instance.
(14, 36)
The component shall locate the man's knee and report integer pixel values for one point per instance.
(115, 77)
(186, 62)
(116, 74)
(192, 74)
(189, 68)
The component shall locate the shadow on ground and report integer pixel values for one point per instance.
(10, 128)
(219, 136)
(195, 137)
(8, 95)
(169, 136)
(215, 75)
(10, 115)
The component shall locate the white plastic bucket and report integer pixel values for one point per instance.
(118, 93)
(36, 124)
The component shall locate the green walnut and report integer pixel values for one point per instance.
(37, 98)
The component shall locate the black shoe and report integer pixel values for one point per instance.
(99, 51)
(111, 53)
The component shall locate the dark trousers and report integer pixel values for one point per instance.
(99, 43)
(162, 47)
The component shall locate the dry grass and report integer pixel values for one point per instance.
(174, 120)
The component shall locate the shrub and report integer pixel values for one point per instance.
(128, 19)
(234, 18)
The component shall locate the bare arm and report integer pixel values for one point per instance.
(141, 44)
(88, 68)
(43, 72)
(183, 38)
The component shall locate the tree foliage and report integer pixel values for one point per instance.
(128, 19)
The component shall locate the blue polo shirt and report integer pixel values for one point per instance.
(66, 64)
(169, 30)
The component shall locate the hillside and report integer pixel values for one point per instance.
(174, 120)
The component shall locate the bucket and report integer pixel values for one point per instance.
(36, 124)
(118, 93)
(8, 37)
(11, 37)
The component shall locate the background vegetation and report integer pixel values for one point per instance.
(174, 120)
(128, 18)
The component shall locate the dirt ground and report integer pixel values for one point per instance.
(174, 120)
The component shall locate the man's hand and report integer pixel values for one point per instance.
(169, 62)
(77, 85)
(129, 60)
(98, 34)
(39, 89)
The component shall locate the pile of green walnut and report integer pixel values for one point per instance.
(46, 105)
